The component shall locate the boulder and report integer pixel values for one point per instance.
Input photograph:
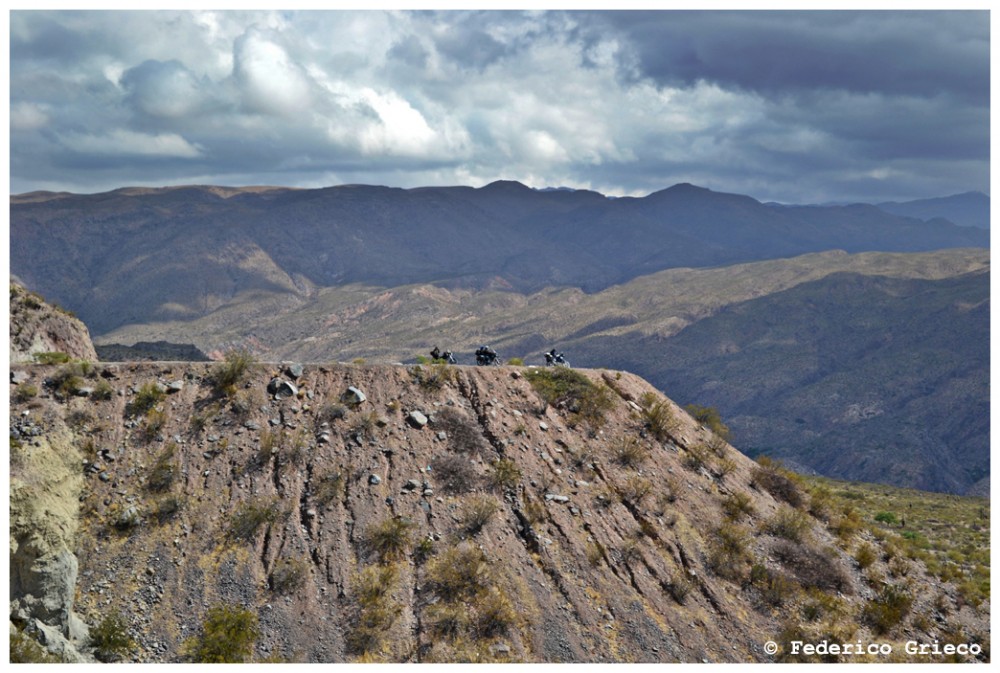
(281, 388)
(416, 419)
(353, 397)
(294, 370)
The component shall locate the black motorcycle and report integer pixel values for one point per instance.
(447, 357)
(486, 358)
(553, 359)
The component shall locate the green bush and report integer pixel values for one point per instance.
(737, 505)
(110, 639)
(102, 391)
(228, 636)
(566, 388)
(504, 474)
(229, 373)
(710, 418)
(777, 481)
(887, 518)
(515, 362)
(52, 358)
(25, 392)
(146, 399)
(389, 538)
(887, 609)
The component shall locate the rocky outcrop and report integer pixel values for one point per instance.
(37, 327)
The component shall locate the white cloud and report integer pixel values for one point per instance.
(25, 116)
(270, 80)
(122, 142)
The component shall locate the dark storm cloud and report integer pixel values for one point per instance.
(775, 52)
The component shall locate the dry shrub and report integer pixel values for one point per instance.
(628, 451)
(504, 474)
(737, 505)
(788, 523)
(458, 573)
(464, 434)
(477, 512)
(388, 539)
(454, 474)
(812, 568)
(777, 481)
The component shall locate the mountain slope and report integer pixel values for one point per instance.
(505, 529)
(854, 376)
(142, 255)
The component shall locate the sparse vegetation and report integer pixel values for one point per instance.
(628, 451)
(888, 608)
(710, 418)
(454, 474)
(145, 399)
(568, 389)
(777, 481)
(288, 576)
(728, 551)
(110, 638)
(229, 373)
(737, 505)
(164, 470)
(374, 612)
(228, 635)
(464, 434)
(788, 523)
(477, 512)
(26, 650)
(634, 488)
(25, 392)
(389, 538)
(658, 417)
(249, 517)
(434, 376)
(504, 474)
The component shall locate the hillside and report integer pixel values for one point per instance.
(447, 517)
(798, 354)
(137, 255)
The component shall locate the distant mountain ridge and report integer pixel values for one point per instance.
(970, 209)
(137, 255)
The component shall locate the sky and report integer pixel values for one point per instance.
(789, 106)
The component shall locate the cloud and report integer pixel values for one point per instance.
(792, 106)
(270, 80)
(130, 143)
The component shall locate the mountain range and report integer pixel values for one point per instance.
(777, 315)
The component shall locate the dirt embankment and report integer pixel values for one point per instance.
(453, 514)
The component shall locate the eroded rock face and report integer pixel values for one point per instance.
(37, 327)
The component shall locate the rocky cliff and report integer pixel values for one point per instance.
(391, 513)
(39, 327)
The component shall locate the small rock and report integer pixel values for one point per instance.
(428, 492)
(294, 370)
(175, 386)
(556, 498)
(104, 476)
(324, 438)
(543, 426)
(416, 419)
(374, 480)
(353, 396)
(411, 485)
(442, 435)
(281, 388)
(19, 376)
(251, 425)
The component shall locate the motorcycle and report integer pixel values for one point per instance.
(486, 359)
(446, 357)
(555, 360)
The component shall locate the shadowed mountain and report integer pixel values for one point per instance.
(971, 209)
(140, 255)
